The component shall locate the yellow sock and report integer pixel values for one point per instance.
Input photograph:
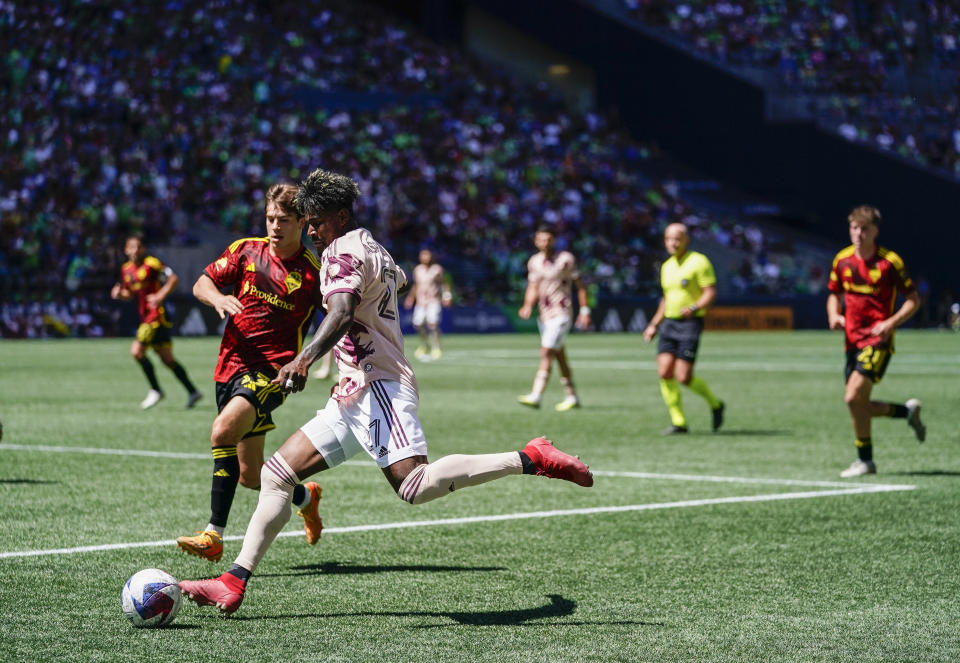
(699, 386)
(674, 400)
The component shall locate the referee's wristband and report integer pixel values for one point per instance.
(694, 308)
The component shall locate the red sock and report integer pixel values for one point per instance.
(233, 583)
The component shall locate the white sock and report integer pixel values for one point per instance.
(441, 477)
(214, 528)
(277, 482)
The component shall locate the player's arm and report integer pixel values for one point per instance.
(118, 291)
(341, 308)
(529, 299)
(707, 296)
(885, 328)
(158, 297)
(583, 314)
(655, 321)
(835, 319)
(411, 296)
(207, 292)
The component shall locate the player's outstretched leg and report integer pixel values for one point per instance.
(225, 592)
(548, 461)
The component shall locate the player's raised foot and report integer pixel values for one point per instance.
(153, 397)
(913, 419)
(567, 403)
(718, 415)
(674, 430)
(550, 462)
(208, 544)
(858, 468)
(529, 400)
(225, 592)
(312, 524)
(193, 398)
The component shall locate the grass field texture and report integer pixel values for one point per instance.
(744, 545)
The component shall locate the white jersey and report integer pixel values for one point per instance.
(428, 279)
(372, 349)
(554, 279)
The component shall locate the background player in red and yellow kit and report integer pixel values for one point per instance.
(868, 278)
(150, 281)
(274, 291)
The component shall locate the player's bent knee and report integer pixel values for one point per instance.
(421, 486)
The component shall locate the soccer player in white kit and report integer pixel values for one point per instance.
(550, 275)
(430, 292)
(373, 407)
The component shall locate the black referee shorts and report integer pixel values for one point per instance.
(680, 338)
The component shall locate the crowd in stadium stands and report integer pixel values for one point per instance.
(846, 53)
(153, 117)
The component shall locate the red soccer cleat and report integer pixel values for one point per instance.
(553, 463)
(225, 594)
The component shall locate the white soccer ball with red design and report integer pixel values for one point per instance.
(150, 598)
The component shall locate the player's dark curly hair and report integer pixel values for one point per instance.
(324, 191)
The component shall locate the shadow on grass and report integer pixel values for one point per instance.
(558, 607)
(337, 568)
(26, 481)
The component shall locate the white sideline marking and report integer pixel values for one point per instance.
(849, 490)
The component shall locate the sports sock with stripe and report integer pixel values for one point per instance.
(226, 476)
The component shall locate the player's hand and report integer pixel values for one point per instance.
(407, 304)
(227, 305)
(292, 377)
(837, 322)
(153, 300)
(649, 333)
(883, 329)
(525, 312)
(583, 321)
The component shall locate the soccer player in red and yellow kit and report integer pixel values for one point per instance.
(274, 291)
(150, 281)
(868, 278)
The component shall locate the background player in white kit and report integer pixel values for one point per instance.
(430, 291)
(374, 405)
(550, 275)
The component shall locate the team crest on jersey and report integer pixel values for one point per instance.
(684, 282)
(221, 263)
(250, 267)
(294, 280)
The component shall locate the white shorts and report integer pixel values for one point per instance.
(553, 332)
(381, 419)
(428, 313)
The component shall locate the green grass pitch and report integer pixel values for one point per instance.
(743, 545)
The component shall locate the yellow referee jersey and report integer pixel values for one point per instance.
(683, 280)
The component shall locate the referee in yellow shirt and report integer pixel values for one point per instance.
(689, 287)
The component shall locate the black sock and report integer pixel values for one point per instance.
(181, 374)
(239, 572)
(527, 464)
(226, 476)
(898, 411)
(147, 367)
(864, 449)
(299, 494)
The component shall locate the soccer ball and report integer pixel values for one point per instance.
(150, 598)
